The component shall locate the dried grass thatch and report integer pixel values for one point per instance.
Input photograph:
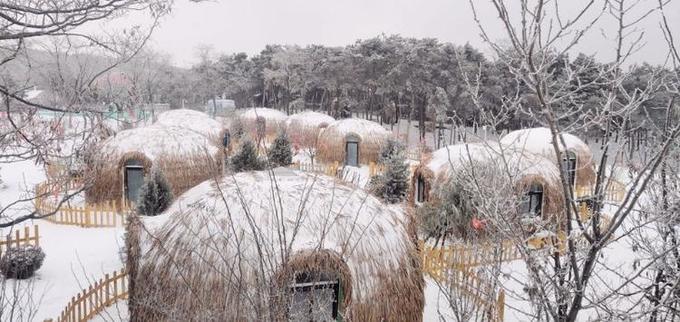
(186, 158)
(193, 120)
(274, 121)
(539, 141)
(303, 128)
(372, 137)
(219, 253)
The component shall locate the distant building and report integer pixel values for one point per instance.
(220, 107)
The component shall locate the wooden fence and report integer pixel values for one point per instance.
(20, 237)
(327, 169)
(614, 191)
(90, 216)
(94, 299)
(454, 266)
(439, 262)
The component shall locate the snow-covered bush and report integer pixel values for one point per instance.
(392, 147)
(450, 214)
(392, 185)
(280, 153)
(246, 158)
(21, 262)
(155, 195)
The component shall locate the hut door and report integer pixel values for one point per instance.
(420, 189)
(352, 153)
(569, 164)
(315, 298)
(533, 201)
(134, 178)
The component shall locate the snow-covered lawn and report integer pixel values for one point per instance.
(75, 257)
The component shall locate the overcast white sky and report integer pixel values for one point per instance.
(247, 25)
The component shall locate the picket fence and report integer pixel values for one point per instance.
(20, 238)
(108, 214)
(455, 265)
(614, 191)
(96, 298)
(333, 169)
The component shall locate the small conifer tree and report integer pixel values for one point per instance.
(246, 158)
(155, 195)
(280, 154)
(393, 184)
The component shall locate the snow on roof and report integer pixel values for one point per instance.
(192, 120)
(361, 127)
(523, 163)
(267, 113)
(371, 236)
(539, 141)
(309, 118)
(456, 155)
(32, 94)
(156, 140)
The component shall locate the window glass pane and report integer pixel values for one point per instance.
(352, 154)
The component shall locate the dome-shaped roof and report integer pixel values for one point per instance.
(156, 140)
(539, 141)
(190, 119)
(362, 128)
(309, 119)
(459, 155)
(267, 113)
(246, 217)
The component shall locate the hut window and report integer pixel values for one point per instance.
(533, 200)
(352, 151)
(315, 297)
(569, 164)
(134, 178)
(420, 189)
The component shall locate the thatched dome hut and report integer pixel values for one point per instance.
(196, 121)
(575, 154)
(436, 168)
(120, 163)
(532, 178)
(241, 251)
(304, 128)
(352, 142)
(257, 119)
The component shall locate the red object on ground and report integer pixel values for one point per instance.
(478, 224)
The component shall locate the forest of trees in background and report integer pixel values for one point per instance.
(393, 77)
(385, 78)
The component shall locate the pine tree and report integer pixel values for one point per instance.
(393, 184)
(280, 154)
(246, 158)
(155, 195)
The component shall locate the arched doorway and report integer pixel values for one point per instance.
(133, 178)
(420, 189)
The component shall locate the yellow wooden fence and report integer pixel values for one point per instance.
(614, 191)
(20, 237)
(91, 216)
(327, 169)
(455, 266)
(94, 299)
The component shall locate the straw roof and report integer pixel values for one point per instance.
(437, 167)
(196, 121)
(185, 157)
(525, 168)
(303, 128)
(539, 141)
(227, 244)
(274, 120)
(371, 135)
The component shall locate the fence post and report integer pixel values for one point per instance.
(37, 235)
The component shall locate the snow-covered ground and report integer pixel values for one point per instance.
(75, 257)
